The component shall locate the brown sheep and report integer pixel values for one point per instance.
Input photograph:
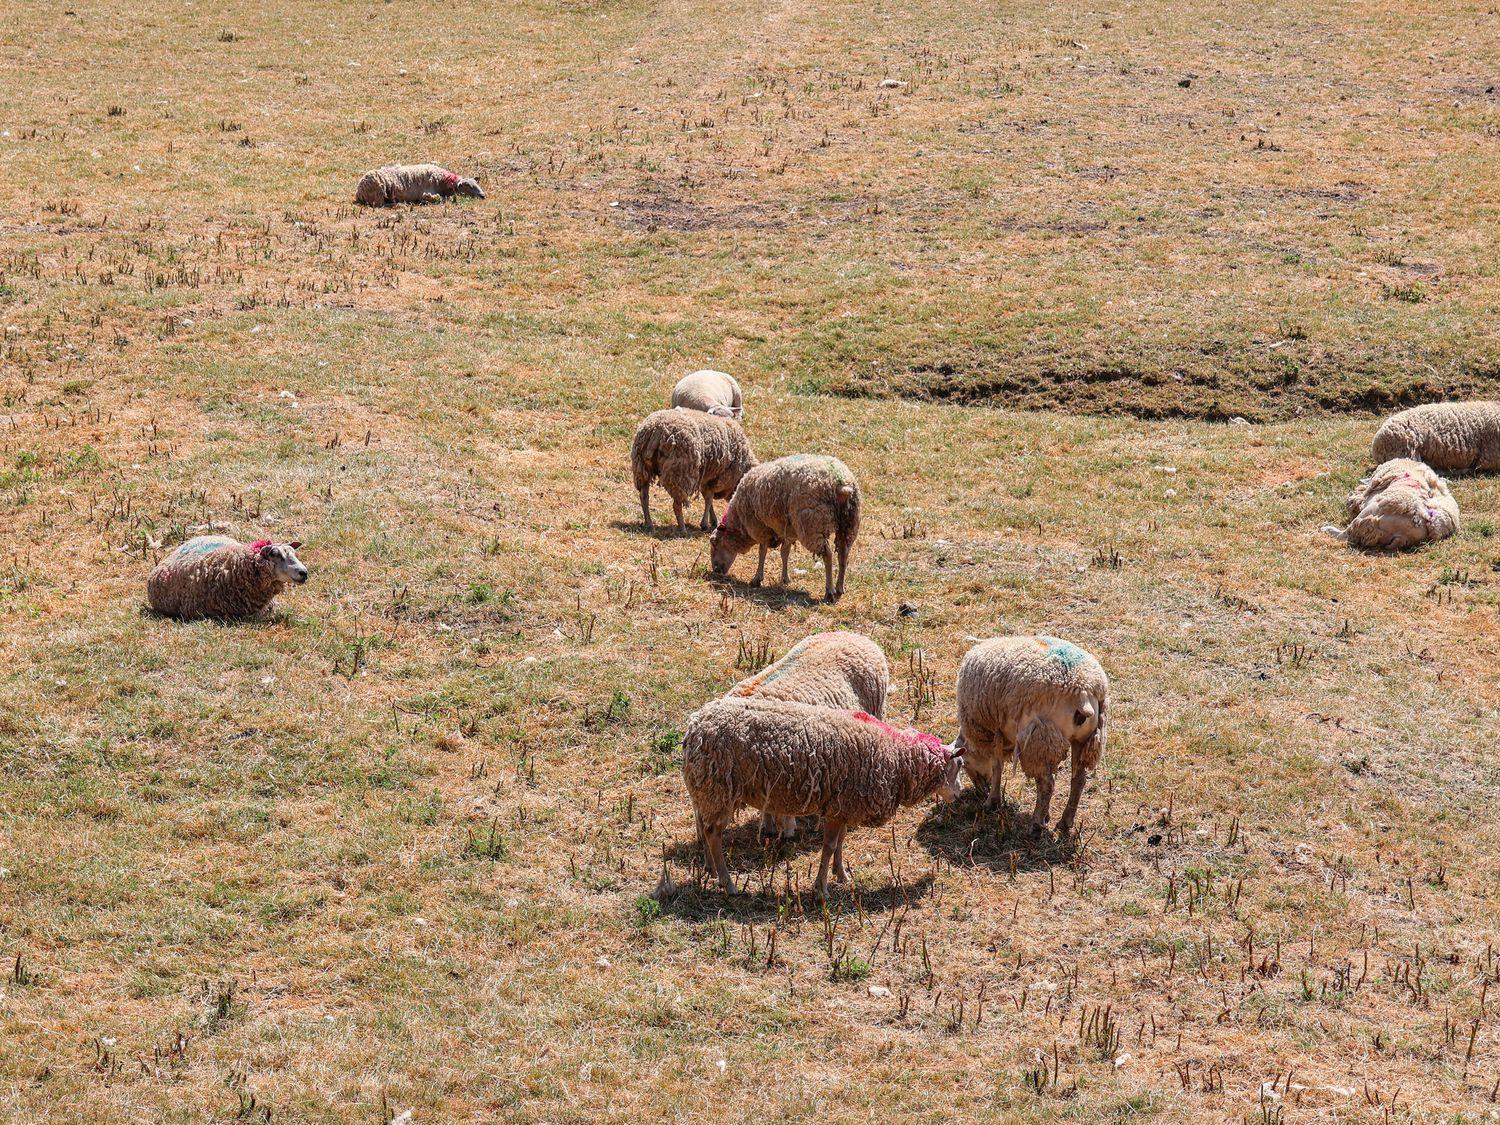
(690, 453)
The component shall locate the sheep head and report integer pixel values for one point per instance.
(727, 543)
(282, 560)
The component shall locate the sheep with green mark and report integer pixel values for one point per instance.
(214, 576)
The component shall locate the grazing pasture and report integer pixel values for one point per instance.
(419, 840)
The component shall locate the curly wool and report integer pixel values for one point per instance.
(805, 498)
(1451, 436)
(1402, 504)
(843, 670)
(712, 392)
(213, 576)
(691, 454)
(1021, 697)
(405, 183)
(796, 759)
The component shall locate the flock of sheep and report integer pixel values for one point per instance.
(807, 736)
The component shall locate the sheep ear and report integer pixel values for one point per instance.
(295, 544)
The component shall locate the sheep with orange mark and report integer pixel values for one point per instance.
(1038, 699)
(1402, 504)
(843, 670)
(796, 759)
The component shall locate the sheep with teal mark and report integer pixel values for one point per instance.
(842, 670)
(1037, 699)
(214, 576)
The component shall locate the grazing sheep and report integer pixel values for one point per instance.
(691, 453)
(215, 576)
(842, 670)
(792, 759)
(712, 392)
(1451, 436)
(1401, 504)
(804, 499)
(412, 183)
(1038, 698)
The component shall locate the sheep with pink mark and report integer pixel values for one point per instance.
(843, 670)
(797, 759)
(215, 576)
(1038, 699)
(412, 183)
(1402, 504)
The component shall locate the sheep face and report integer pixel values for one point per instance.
(468, 188)
(726, 544)
(947, 792)
(284, 563)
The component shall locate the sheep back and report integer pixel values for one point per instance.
(690, 453)
(796, 759)
(843, 670)
(705, 390)
(1451, 436)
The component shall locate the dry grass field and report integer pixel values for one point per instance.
(419, 840)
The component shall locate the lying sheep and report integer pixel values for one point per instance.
(691, 453)
(412, 183)
(842, 670)
(1401, 504)
(1451, 436)
(1038, 698)
(215, 576)
(803, 499)
(794, 759)
(712, 392)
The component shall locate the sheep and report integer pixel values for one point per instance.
(843, 670)
(1449, 436)
(216, 576)
(1038, 698)
(712, 392)
(412, 183)
(1402, 504)
(791, 759)
(804, 498)
(690, 453)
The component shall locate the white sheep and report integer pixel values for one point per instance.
(219, 577)
(412, 183)
(804, 498)
(712, 392)
(1451, 436)
(795, 759)
(690, 453)
(1402, 504)
(843, 670)
(1037, 698)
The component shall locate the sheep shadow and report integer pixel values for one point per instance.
(659, 531)
(266, 619)
(705, 902)
(968, 833)
(772, 597)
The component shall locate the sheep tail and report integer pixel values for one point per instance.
(1338, 533)
(845, 510)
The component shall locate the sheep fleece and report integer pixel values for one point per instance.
(212, 576)
(795, 759)
(843, 670)
(404, 183)
(1403, 503)
(703, 390)
(1451, 436)
(690, 453)
(795, 499)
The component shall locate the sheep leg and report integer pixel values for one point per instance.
(840, 872)
(1043, 802)
(996, 798)
(1075, 792)
(786, 558)
(787, 826)
(833, 837)
(646, 505)
(709, 520)
(760, 568)
(843, 550)
(713, 841)
(769, 825)
(677, 511)
(827, 556)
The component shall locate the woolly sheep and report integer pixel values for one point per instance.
(1450, 436)
(1037, 698)
(690, 453)
(215, 576)
(804, 498)
(412, 183)
(793, 759)
(843, 670)
(1401, 504)
(712, 392)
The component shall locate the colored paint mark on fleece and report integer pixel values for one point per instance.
(203, 545)
(1067, 654)
(836, 468)
(776, 671)
(932, 742)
